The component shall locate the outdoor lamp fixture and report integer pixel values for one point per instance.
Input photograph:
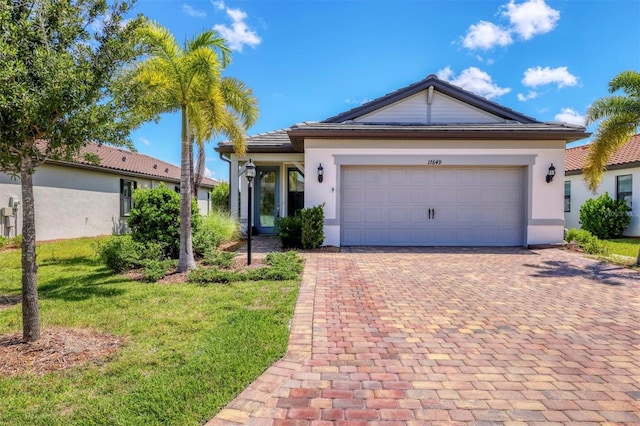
(320, 173)
(551, 173)
(250, 171)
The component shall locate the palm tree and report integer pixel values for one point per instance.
(188, 80)
(621, 116)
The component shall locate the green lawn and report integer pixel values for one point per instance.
(189, 348)
(624, 246)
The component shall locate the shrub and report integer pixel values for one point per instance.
(289, 231)
(14, 242)
(282, 266)
(120, 253)
(220, 259)
(155, 218)
(604, 217)
(289, 260)
(154, 270)
(213, 275)
(215, 228)
(586, 241)
(220, 197)
(312, 227)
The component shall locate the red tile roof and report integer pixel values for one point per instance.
(121, 159)
(629, 153)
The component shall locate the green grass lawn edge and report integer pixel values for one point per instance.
(190, 349)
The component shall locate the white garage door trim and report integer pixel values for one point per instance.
(432, 206)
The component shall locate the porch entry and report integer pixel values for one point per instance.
(267, 199)
(268, 196)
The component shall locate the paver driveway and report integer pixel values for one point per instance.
(421, 336)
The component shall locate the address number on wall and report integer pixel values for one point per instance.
(434, 162)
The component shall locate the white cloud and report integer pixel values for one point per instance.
(475, 81)
(526, 19)
(239, 34)
(208, 173)
(485, 35)
(193, 12)
(356, 101)
(144, 140)
(539, 76)
(571, 116)
(531, 18)
(531, 95)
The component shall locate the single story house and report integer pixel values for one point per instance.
(430, 164)
(89, 196)
(620, 180)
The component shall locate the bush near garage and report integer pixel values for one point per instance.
(586, 241)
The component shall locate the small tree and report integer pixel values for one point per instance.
(220, 197)
(56, 82)
(604, 217)
(155, 218)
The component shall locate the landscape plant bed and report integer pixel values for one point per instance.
(119, 351)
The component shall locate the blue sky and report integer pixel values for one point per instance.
(307, 60)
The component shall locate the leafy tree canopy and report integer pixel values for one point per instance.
(59, 59)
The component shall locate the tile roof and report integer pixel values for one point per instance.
(123, 160)
(629, 153)
(273, 141)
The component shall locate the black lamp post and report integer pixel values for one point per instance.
(250, 170)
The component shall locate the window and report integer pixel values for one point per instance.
(295, 198)
(567, 196)
(126, 195)
(623, 188)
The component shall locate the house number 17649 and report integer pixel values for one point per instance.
(434, 162)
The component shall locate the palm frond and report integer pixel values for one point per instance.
(159, 41)
(628, 81)
(613, 105)
(612, 133)
(211, 40)
(240, 98)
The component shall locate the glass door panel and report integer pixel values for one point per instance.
(295, 196)
(267, 199)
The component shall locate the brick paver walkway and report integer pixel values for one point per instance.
(428, 336)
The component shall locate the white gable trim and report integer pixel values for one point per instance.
(429, 107)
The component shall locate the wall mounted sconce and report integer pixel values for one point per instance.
(551, 173)
(320, 173)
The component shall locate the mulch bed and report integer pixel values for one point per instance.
(58, 349)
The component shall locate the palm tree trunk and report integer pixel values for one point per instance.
(186, 260)
(30, 308)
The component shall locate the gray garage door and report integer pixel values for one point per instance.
(432, 206)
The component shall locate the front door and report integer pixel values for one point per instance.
(267, 199)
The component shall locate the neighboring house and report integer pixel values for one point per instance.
(428, 165)
(90, 195)
(620, 180)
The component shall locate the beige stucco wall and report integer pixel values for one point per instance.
(73, 202)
